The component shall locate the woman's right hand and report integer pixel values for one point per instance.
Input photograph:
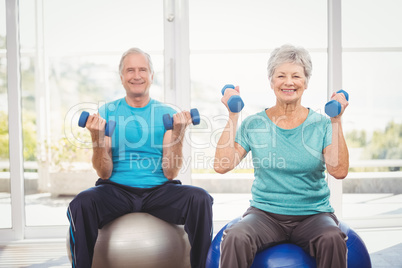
(229, 92)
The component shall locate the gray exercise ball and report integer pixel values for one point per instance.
(140, 240)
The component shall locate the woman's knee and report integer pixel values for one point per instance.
(333, 237)
(238, 235)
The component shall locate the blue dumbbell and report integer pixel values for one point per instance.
(109, 128)
(333, 107)
(235, 103)
(168, 120)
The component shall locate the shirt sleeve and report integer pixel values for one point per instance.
(242, 136)
(328, 133)
(103, 112)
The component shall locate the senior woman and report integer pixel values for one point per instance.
(291, 147)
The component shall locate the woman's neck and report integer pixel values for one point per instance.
(287, 116)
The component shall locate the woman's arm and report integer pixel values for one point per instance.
(336, 154)
(228, 153)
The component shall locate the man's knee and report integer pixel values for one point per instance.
(82, 201)
(200, 196)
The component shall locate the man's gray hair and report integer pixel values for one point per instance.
(290, 54)
(135, 50)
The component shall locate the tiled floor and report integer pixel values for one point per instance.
(384, 244)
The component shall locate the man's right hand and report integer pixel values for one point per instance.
(96, 126)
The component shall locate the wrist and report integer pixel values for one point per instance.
(234, 116)
(336, 119)
(98, 144)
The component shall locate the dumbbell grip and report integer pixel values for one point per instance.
(333, 108)
(235, 102)
(168, 120)
(109, 127)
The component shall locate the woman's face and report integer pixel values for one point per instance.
(288, 82)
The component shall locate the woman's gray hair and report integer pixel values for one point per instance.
(290, 54)
(135, 50)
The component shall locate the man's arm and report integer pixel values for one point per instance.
(101, 145)
(172, 160)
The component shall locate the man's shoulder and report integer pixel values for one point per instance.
(162, 107)
(111, 105)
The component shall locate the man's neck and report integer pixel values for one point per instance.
(138, 102)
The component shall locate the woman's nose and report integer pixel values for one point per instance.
(289, 81)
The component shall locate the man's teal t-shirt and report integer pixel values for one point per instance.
(289, 169)
(137, 142)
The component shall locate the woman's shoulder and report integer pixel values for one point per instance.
(317, 118)
(257, 120)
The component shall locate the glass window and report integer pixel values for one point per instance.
(257, 24)
(371, 23)
(5, 198)
(70, 52)
(372, 61)
(231, 43)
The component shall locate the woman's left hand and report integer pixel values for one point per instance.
(340, 97)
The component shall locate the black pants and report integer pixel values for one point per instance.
(173, 202)
(317, 234)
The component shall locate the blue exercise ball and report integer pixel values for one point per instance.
(290, 255)
(283, 255)
(358, 256)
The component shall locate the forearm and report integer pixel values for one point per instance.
(338, 156)
(173, 157)
(226, 156)
(101, 160)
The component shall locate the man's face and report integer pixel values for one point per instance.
(136, 76)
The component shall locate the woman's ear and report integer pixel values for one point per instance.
(270, 82)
